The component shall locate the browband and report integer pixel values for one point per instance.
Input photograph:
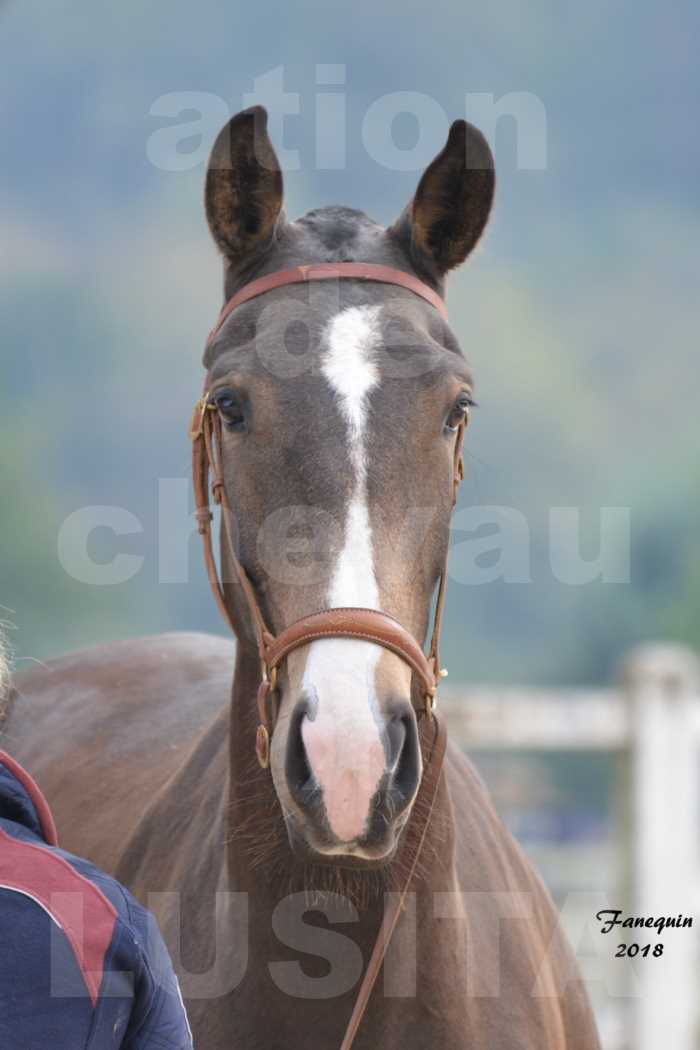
(328, 272)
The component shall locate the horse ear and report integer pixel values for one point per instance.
(452, 204)
(243, 189)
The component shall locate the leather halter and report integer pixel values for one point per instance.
(367, 624)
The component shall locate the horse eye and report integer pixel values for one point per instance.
(459, 413)
(230, 409)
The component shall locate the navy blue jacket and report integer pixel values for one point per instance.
(82, 965)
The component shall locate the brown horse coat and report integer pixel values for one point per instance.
(131, 743)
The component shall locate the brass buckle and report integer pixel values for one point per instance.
(269, 674)
(262, 736)
(262, 746)
(197, 421)
(430, 700)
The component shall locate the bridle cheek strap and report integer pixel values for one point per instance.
(369, 625)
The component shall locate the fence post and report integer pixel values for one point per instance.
(662, 684)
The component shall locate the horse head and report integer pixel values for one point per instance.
(337, 406)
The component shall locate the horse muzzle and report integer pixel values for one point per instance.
(350, 793)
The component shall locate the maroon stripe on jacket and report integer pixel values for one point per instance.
(82, 911)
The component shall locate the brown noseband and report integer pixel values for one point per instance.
(367, 624)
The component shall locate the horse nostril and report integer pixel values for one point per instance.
(403, 753)
(396, 733)
(297, 768)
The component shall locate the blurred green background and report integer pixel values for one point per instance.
(578, 312)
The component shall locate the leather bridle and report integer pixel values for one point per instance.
(367, 624)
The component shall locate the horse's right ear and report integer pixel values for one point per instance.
(243, 190)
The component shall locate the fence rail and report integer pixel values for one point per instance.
(651, 721)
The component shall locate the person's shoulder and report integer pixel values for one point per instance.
(138, 947)
(84, 903)
(113, 938)
(70, 922)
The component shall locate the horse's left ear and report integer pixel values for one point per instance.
(452, 204)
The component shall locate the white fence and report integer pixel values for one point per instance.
(652, 723)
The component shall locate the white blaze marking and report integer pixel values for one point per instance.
(343, 742)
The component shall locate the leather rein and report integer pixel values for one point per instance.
(367, 624)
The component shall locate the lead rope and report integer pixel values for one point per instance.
(428, 790)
